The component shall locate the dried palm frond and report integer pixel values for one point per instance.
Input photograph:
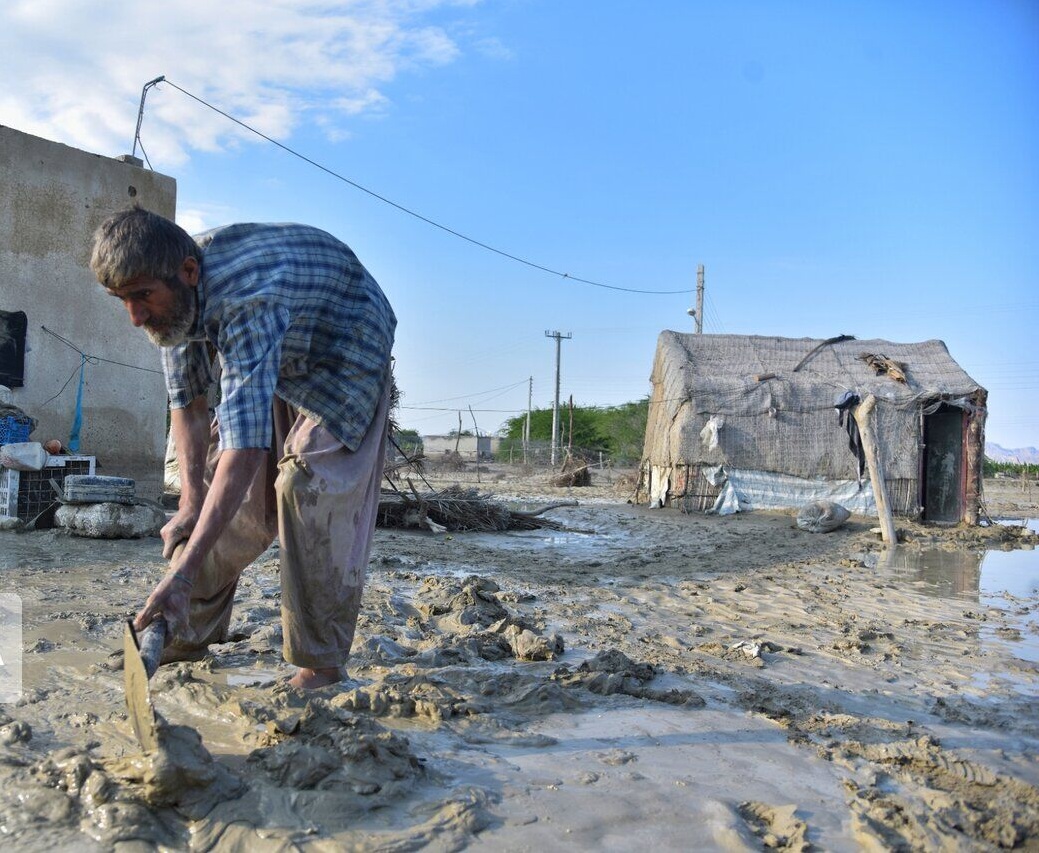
(459, 509)
(881, 365)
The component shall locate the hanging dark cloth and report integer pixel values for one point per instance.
(13, 325)
(846, 418)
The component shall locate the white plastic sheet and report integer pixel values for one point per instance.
(747, 490)
(709, 434)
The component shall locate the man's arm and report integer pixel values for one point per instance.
(234, 472)
(190, 428)
(202, 515)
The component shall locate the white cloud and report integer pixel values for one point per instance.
(73, 71)
(494, 48)
(195, 220)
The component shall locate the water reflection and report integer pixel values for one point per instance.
(986, 578)
(968, 574)
(943, 573)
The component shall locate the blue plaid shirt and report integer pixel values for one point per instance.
(293, 313)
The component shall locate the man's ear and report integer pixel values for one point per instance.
(189, 271)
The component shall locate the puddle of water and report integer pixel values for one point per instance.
(1031, 523)
(1013, 572)
(972, 575)
(247, 678)
(573, 543)
(986, 578)
(450, 570)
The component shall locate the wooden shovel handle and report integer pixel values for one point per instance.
(153, 638)
(152, 641)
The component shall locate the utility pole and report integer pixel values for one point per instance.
(699, 299)
(526, 426)
(559, 336)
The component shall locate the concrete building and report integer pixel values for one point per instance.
(52, 198)
(470, 447)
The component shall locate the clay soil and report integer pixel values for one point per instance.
(661, 681)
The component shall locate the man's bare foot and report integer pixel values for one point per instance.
(311, 679)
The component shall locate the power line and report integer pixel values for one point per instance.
(714, 313)
(407, 210)
(455, 409)
(476, 394)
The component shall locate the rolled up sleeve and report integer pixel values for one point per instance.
(187, 370)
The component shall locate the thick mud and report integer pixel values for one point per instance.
(688, 682)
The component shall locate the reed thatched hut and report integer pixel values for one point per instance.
(750, 422)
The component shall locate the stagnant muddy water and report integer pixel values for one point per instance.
(666, 681)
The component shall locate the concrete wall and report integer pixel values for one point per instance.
(469, 446)
(52, 198)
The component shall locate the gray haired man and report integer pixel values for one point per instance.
(303, 335)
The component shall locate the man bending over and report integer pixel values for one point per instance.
(303, 336)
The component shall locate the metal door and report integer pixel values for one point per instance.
(944, 465)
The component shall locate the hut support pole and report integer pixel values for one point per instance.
(975, 459)
(863, 413)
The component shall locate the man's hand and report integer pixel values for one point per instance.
(178, 529)
(170, 598)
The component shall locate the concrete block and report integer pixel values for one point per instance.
(110, 520)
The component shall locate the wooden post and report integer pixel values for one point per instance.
(975, 480)
(863, 413)
(476, 429)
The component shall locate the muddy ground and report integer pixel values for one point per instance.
(664, 681)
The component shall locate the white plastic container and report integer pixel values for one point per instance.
(23, 456)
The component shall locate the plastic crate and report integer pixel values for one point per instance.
(14, 429)
(27, 494)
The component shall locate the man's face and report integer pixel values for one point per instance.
(166, 310)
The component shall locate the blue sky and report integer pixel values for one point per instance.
(860, 168)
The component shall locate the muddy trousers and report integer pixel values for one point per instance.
(321, 500)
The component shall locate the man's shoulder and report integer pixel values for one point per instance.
(271, 233)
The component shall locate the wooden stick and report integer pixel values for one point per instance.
(536, 512)
(876, 470)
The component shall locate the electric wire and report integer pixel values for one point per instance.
(94, 359)
(476, 394)
(456, 408)
(712, 308)
(413, 213)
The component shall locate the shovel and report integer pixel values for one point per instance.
(141, 656)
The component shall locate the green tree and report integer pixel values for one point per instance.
(1013, 469)
(617, 431)
(408, 440)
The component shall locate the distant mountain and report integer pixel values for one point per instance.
(1022, 455)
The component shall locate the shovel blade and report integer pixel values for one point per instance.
(138, 701)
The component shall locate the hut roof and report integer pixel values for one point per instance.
(783, 420)
(719, 371)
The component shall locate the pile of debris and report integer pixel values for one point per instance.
(458, 509)
(575, 474)
(44, 485)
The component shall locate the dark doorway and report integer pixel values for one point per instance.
(13, 325)
(943, 465)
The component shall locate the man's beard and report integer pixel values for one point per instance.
(174, 329)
